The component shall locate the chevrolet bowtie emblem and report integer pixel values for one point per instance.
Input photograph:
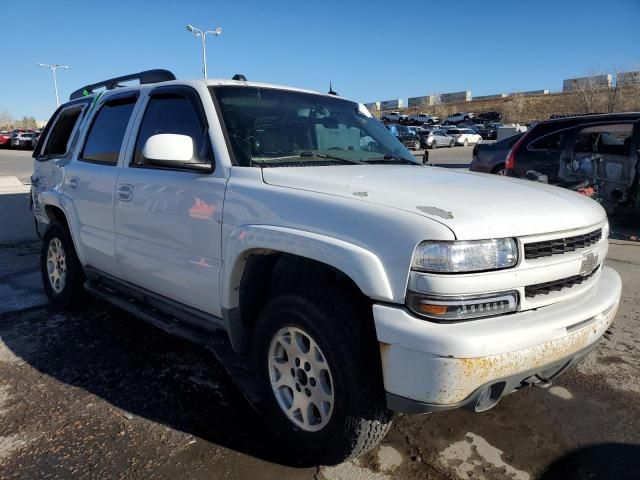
(589, 263)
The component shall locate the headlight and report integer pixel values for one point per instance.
(464, 307)
(465, 256)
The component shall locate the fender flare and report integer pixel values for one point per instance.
(362, 266)
(62, 203)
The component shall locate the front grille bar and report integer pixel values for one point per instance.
(558, 246)
(557, 285)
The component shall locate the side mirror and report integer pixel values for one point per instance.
(171, 150)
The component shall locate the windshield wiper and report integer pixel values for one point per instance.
(388, 158)
(306, 154)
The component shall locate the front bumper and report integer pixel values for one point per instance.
(435, 366)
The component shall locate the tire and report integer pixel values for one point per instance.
(452, 143)
(499, 169)
(434, 145)
(416, 145)
(350, 379)
(465, 143)
(58, 260)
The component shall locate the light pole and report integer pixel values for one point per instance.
(203, 38)
(53, 68)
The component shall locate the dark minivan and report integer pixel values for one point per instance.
(596, 152)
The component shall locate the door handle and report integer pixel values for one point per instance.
(125, 192)
(73, 182)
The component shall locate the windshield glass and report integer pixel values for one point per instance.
(272, 127)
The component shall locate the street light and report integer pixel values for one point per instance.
(53, 68)
(203, 38)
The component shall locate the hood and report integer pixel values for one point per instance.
(473, 205)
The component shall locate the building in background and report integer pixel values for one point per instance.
(391, 104)
(627, 79)
(426, 101)
(372, 106)
(530, 93)
(594, 81)
(490, 97)
(455, 97)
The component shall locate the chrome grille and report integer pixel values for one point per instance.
(558, 246)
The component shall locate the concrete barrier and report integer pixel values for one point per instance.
(16, 220)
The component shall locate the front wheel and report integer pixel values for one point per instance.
(434, 145)
(452, 143)
(465, 143)
(416, 145)
(62, 274)
(319, 366)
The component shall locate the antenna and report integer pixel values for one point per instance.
(331, 92)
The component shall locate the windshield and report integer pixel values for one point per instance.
(272, 127)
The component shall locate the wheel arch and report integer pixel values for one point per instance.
(54, 211)
(265, 260)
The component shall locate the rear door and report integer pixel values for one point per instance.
(89, 180)
(169, 220)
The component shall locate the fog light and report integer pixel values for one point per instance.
(445, 308)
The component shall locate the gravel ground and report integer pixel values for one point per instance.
(99, 394)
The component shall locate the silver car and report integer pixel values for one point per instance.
(437, 138)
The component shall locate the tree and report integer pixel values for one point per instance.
(27, 123)
(6, 121)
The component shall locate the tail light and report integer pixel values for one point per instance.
(510, 163)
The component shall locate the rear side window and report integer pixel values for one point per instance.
(606, 139)
(174, 113)
(104, 139)
(58, 141)
(552, 141)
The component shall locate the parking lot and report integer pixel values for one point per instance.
(99, 394)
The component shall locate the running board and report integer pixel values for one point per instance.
(215, 339)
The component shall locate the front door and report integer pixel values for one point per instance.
(169, 221)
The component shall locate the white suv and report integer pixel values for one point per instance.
(337, 280)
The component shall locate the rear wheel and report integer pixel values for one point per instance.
(416, 145)
(434, 144)
(62, 274)
(465, 143)
(318, 362)
(499, 169)
(452, 143)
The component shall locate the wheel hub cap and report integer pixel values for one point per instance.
(301, 379)
(56, 265)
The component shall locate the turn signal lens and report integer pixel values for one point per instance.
(451, 309)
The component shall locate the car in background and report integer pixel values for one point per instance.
(491, 157)
(5, 139)
(420, 119)
(435, 138)
(489, 117)
(22, 140)
(394, 117)
(418, 129)
(596, 153)
(407, 137)
(464, 136)
(460, 117)
(34, 139)
(488, 131)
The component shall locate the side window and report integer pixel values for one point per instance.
(606, 139)
(552, 141)
(105, 136)
(58, 141)
(174, 113)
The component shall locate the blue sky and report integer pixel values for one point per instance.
(370, 50)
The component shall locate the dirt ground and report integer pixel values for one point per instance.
(99, 394)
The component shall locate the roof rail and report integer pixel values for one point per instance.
(148, 76)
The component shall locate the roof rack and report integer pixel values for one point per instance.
(148, 76)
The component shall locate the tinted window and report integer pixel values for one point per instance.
(107, 132)
(551, 141)
(171, 113)
(59, 138)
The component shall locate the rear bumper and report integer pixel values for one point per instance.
(429, 366)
